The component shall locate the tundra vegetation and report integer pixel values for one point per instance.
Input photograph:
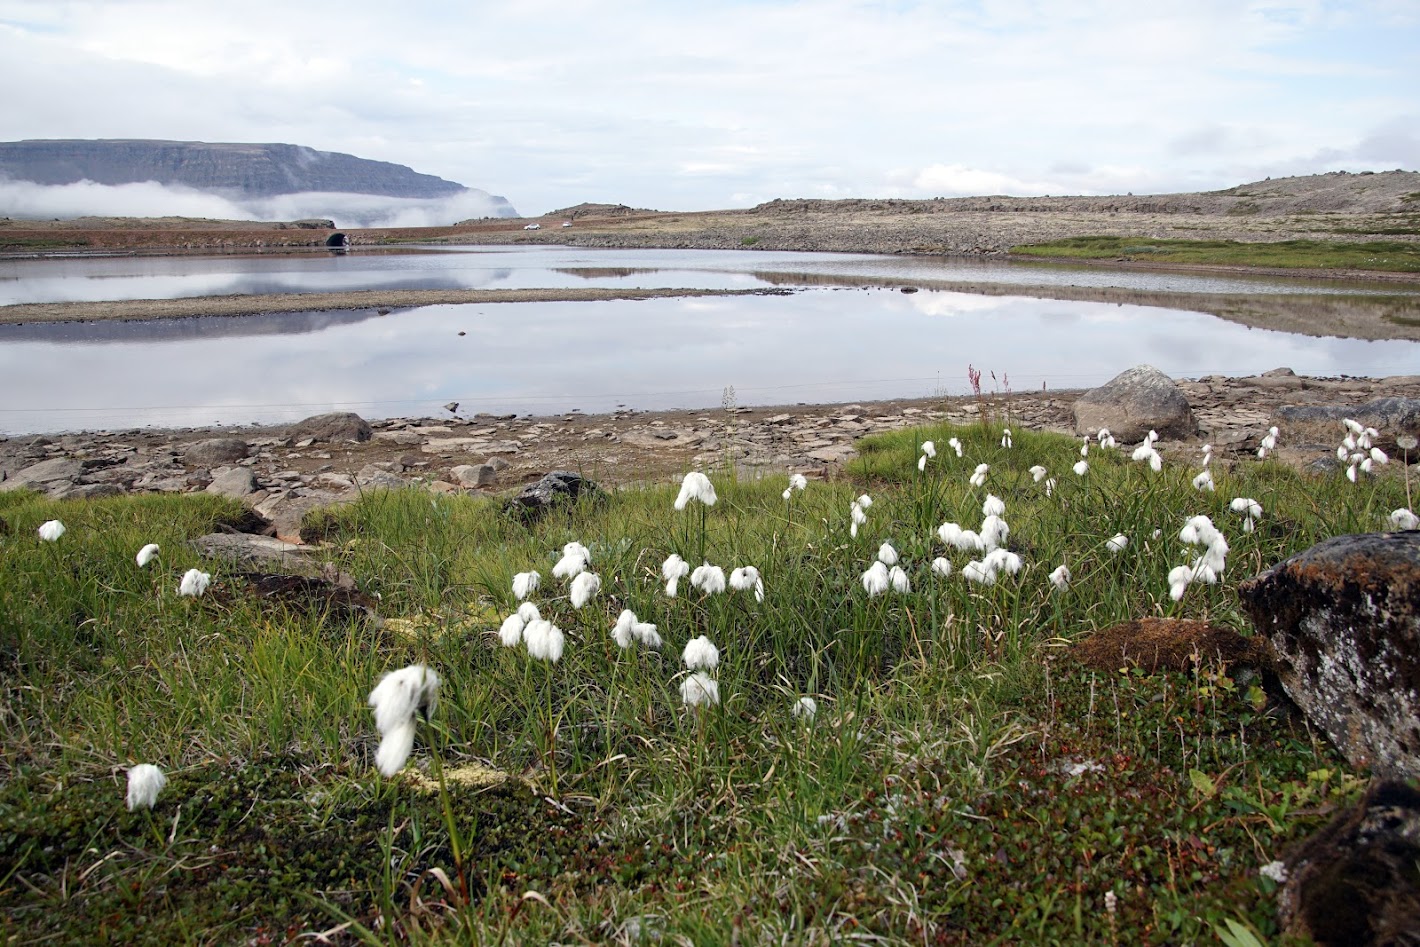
(912, 760)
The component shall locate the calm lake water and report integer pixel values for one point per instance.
(816, 345)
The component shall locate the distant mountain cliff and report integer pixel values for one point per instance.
(236, 171)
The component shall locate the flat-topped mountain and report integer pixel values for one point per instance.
(233, 170)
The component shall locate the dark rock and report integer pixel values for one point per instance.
(216, 451)
(1355, 882)
(1391, 415)
(1133, 403)
(84, 491)
(557, 487)
(338, 426)
(1342, 624)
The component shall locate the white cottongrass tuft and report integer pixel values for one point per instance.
(1204, 481)
(584, 586)
(1207, 568)
(899, 581)
(994, 531)
(525, 584)
(695, 486)
(1275, 870)
(1050, 486)
(875, 579)
(796, 482)
(1404, 519)
(621, 631)
(396, 699)
(528, 612)
(942, 567)
(1106, 439)
(978, 478)
(1146, 452)
(673, 570)
(145, 781)
(146, 555)
(977, 571)
(805, 708)
(544, 640)
(887, 555)
(994, 506)
(1207, 455)
(1081, 467)
(955, 445)
(194, 583)
(575, 558)
(1117, 543)
(864, 501)
(1250, 509)
(511, 631)
(747, 579)
(51, 531)
(1060, 578)
(1269, 442)
(708, 579)
(965, 540)
(929, 448)
(1085, 446)
(699, 689)
(859, 518)
(1006, 438)
(1038, 473)
(700, 654)
(922, 463)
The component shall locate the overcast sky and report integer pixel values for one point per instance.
(697, 105)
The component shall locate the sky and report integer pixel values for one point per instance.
(680, 105)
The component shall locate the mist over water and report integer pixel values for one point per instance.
(27, 200)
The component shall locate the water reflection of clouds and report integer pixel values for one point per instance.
(821, 345)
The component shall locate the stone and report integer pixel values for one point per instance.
(234, 482)
(836, 454)
(1133, 403)
(36, 476)
(556, 487)
(399, 437)
(1354, 882)
(64, 490)
(216, 451)
(244, 549)
(474, 475)
(337, 426)
(1389, 415)
(1342, 624)
(287, 511)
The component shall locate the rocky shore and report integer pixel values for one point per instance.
(284, 472)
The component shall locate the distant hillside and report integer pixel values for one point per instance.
(238, 171)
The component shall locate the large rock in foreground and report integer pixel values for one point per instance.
(1133, 403)
(1342, 621)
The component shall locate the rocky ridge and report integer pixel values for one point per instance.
(284, 472)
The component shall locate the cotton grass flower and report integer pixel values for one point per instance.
(887, 555)
(1250, 509)
(929, 448)
(1081, 467)
(695, 486)
(1006, 441)
(145, 781)
(978, 478)
(942, 567)
(528, 612)
(858, 518)
(544, 640)
(1269, 442)
(194, 583)
(397, 699)
(1117, 543)
(708, 579)
(526, 583)
(1060, 578)
(1404, 519)
(747, 579)
(1085, 446)
(700, 654)
(575, 559)
(1204, 482)
(955, 445)
(875, 579)
(584, 586)
(897, 578)
(673, 570)
(994, 506)
(993, 533)
(1038, 473)
(965, 540)
(511, 631)
(51, 530)
(146, 555)
(796, 482)
(1106, 439)
(979, 572)
(629, 628)
(806, 709)
(699, 690)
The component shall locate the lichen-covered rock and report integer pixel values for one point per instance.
(1133, 403)
(1356, 882)
(1342, 623)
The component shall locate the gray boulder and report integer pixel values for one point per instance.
(1342, 624)
(233, 482)
(559, 487)
(1353, 883)
(339, 426)
(39, 476)
(1391, 415)
(248, 551)
(474, 475)
(1133, 403)
(216, 451)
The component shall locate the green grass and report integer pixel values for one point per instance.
(1387, 256)
(932, 799)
